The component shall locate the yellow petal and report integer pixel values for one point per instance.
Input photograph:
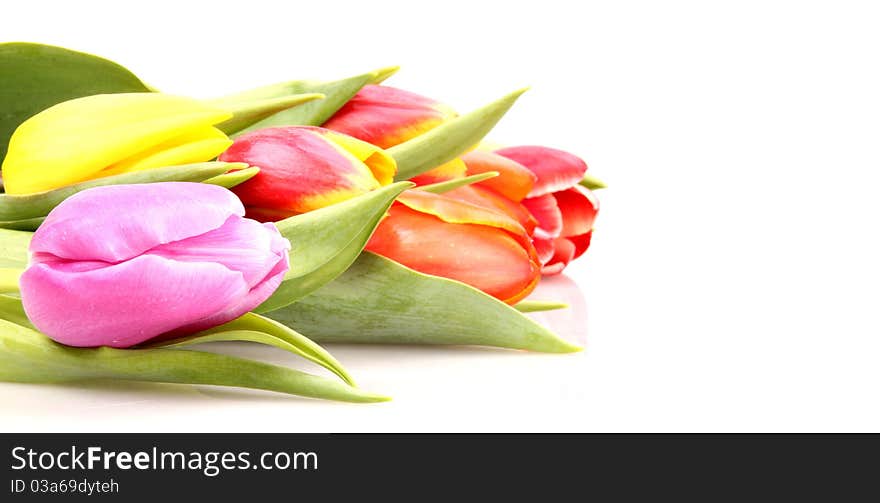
(380, 162)
(74, 140)
(194, 146)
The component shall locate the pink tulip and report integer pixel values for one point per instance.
(123, 264)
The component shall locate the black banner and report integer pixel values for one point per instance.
(126, 467)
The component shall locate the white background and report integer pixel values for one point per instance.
(733, 281)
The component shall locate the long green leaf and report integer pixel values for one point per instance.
(326, 241)
(26, 356)
(246, 113)
(34, 77)
(336, 93)
(34, 206)
(449, 140)
(9, 279)
(534, 306)
(441, 187)
(12, 310)
(380, 301)
(255, 328)
(14, 248)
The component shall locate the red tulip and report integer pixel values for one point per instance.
(386, 116)
(565, 210)
(441, 236)
(304, 168)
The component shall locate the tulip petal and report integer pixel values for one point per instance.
(563, 253)
(380, 163)
(451, 170)
(556, 169)
(300, 170)
(239, 244)
(193, 146)
(79, 228)
(546, 211)
(578, 207)
(581, 243)
(386, 116)
(102, 130)
(514, 180)
(488, 198)
(117, 305)
(460, 212)
(484, 257)
(544, 248)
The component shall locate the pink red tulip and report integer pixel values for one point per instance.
(441, 236)
(386, 116)
(304, 168)
(565, 210)
(120, 265)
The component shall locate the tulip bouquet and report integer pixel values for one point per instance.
(137, 224)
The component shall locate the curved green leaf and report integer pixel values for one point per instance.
(534, 306)
(26, 356)
(34, 77)
(380, 301)
(12, 310)
(9, 279)
(336, 93)
(255, 328)
(233, 178)
(246, 113)
(25, 209)
(441, 187)
(14, 248)
(450, 139)
(326, 241)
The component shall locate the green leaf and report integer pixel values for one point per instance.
(9, 279)
(12, 310)
(441, 187)
(336, 93)
(14, 248)
(380, 301)
(450, 139)
(327, 241)
(592, 183)
(382, 74)
(25, 209)
(34, 77)
(233, 178)
(533, 306)
(26, 356)
(246, 113)
(255, 328)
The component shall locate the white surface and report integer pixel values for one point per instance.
(733, 281)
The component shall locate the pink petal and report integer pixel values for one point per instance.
(125, 304)
(241, 245)
(119, 222)
(578, 207)
(546, 210)
(556, 169)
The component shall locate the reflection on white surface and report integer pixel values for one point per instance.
(570, 323)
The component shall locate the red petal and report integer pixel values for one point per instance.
(386, 116)
(451, 170)
(544, 248)
(545, 209)
(514, 181)
(578, 207)
(556, 169)
(581, 243)
(485, 257)
(564, 251)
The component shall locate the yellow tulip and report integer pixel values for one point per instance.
(109, 134)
